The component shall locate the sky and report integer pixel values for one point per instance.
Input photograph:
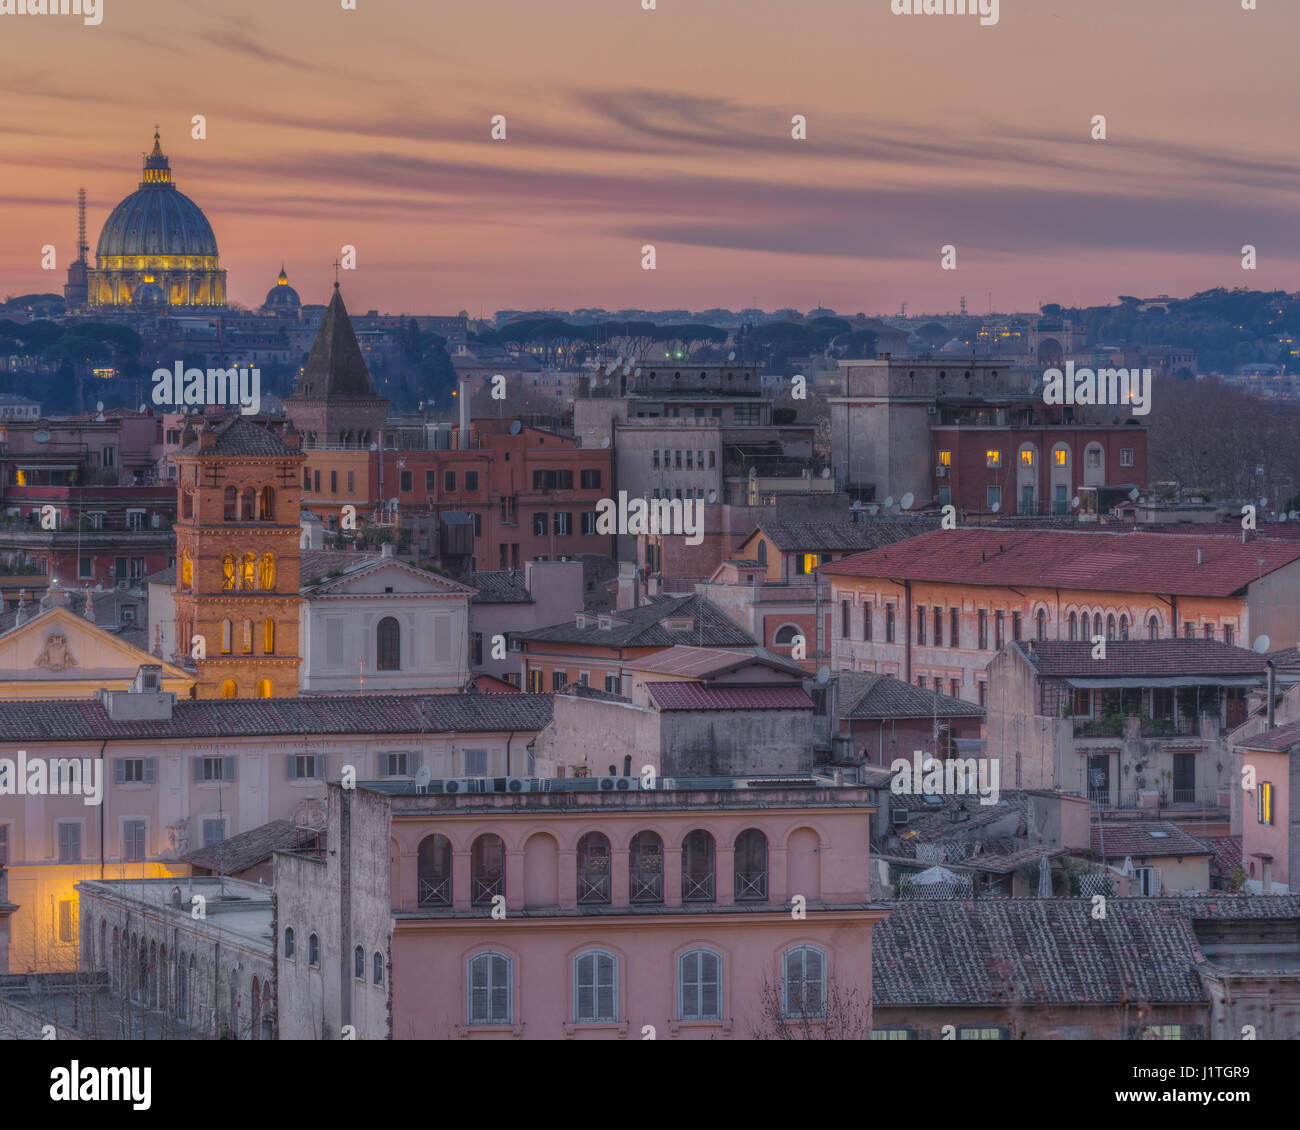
(672, 127)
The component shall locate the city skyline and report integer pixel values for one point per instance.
(622, 131)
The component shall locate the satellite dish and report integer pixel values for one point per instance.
(1263, 502)
(604, 441)
(99, 406)
(142, 408)
(906, 501)
(1135, 494)
(374, 447)
(1261, 645)
(1294, 514)
(422, 777)
(996, 507)
(637, 371)
(826, 472)
(873, 509)
(895, 510)
(889, 502)
(823, 675)
(516, 427)
(1075, 502)
(393, 505)
(731, 356)
(627, 370)
(857, 504)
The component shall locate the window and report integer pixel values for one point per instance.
(1189, 630)
(539, 524)
(751, 866)
(397, 764)
(1015, 626)
(713, 454)
(938, 627)
(980, 1033)
(983, 632)
(315, 475)
(1026, 457)
(954, 627)
(889, 623)
(589, 518)
(246, 637)
(133, 845)
(646, 868)
(304, 766)
(1074, 626)
(313, 951)
(945, 459)
(229, 690)
(559, 678)
(1264, 803)
(866, 620)
(993, 496)
(230, 504)
(956, 688)
(359, 963)
(268, 637)
(86, 570)
(998, 637)
(994, 458)
(785, 636)
(478, 530)
(697, 867)
(4, 845)
(65, 920)
(1126, 457)
(1209, 631)
(1092, 457)
(593, 869)
(654, 460)
(433, 871)
(535, 681)
(891, 1033)
(334, 482)
(69, 843)
(228, 572)
(214, 831)
(490, 989)
(612, 684)
(983, 689)
(476, 763)
(449, 482)
(595, 988)
(134, 770)
(1153, 628)
(471, 480)
(214, 768)
(563, 523)
(388, 645)
(378, 964)
(803, 971)
(352, 482)
(1227, 634)
(430, 481)
(1061, 456)
(487, 869)
(699, 980)
(920, 624)
(264, 689)
(288, 943)
(553, 480)
(845, 610)
(590, 479)
(266, 573)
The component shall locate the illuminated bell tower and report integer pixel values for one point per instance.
(237, 566)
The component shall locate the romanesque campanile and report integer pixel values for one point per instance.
(237, 537)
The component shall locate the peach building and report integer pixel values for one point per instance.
(1270, 818)
(568, 911)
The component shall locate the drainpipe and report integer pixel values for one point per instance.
(103, 776)
(508, 741)
(907, 621)
(1272, 684)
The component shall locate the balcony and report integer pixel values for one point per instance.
(1157, 799)
(1116, 726)
(435, 892)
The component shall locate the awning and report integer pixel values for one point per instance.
(1168, 681)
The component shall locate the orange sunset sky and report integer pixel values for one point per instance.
(672, 127)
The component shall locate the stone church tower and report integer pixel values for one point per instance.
(237, 538)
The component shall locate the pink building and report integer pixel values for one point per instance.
(571, 910)
(1270, 818)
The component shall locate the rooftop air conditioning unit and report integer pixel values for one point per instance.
(941, 472)
(512, 785)
(619, 784)
(465, 785)
(898, 816)
(930, 410)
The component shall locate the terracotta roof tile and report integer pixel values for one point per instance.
(1115, 840)
(693, 696)
(1128, 658)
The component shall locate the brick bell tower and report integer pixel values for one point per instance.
(237, 538)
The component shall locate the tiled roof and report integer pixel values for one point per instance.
(693, 696)
(1114, 840)
(1033, 951)
(1227, 854)
(335, 369)
(78, 719)
(704, 662)
(162, 577)
(1075, 559)
(502, 586)
(643, 627)
(814, 537)
(247, 849)
(1279, 740)
(882, 696)
(314, 563)
(237, 436)
(1129, 658)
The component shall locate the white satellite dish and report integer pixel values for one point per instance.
(637, 371)
(731, 356)
(1293, 514)
(423, 775)
(1075, 502)
(826, 472)
(895, 510)
(873, 509)
(516, 427)
(857, 504)
(393, 504)
(374, 447)
(142, 408)
(889, 502)
(713, 496)
(1135, 494)
(99, 406)
(627, 370)
(906, 501)
(996, 507)
(604, 441)
(823, 675)
(1263, 502)
(1261, 645)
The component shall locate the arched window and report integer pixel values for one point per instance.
(267, 502)
(433, 871)
(306, 477)
(1110, 626)
(247, 509)
(595, 987)
(1041, 620)
(388, 645)
(231, 500)
(699, 985)
(490, 989)
(228, 572)
(248, 637)
(248, 573)
(646, 868)
(697, 867)
(268, 637)
(229, 690)
(313, 951)
(187, 505)
(487, 869)
(785, 635)
(225, 636)
(359, 963)
(593, 869)
(187, 570)
(264, 688)
(378, 968)
(266, 573)
(1123, 627)
(1096, 624)
(1153, 627)
(288, 943)
(803, 975)
(762, 552)
(751, 866)
(1074, 626)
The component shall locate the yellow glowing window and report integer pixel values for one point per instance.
(228, 689)
(266, 573)
(1061, 456)
(22, 477)
(228, 572)
(249, 572)
(268, 637)
(994, 458)
(811, 561)
(1265, 802)
(248, 637)
(1026, 458)
(945, 458)
(187, 570)
(264, 688)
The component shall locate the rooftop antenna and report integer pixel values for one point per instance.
(82, 245)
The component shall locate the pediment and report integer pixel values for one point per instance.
(58, 644)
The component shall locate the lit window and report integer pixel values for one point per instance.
(1265, 802)
(994, 458)
(1026, 458)
(1062, 457)
(945, 458)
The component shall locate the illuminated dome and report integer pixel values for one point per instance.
(282, 300)
(158, 232)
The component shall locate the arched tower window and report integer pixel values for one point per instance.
(268, 637)
(229, 690)
(229, 573)
(267, 512)
(248, 573)
(266, 573)
(388, 645)
(248, 509)
(231, 504)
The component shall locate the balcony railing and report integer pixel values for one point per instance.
(697, 888)
(487, 887)
(435, 892)
(1155, 798)
(1114, 725)
(593, 888)
(648, 888)
(751, 886)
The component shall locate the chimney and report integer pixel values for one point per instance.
(207, 438)
(1200, 555)
(292, 438)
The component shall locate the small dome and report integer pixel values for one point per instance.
(955, 346)
(282, 298)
